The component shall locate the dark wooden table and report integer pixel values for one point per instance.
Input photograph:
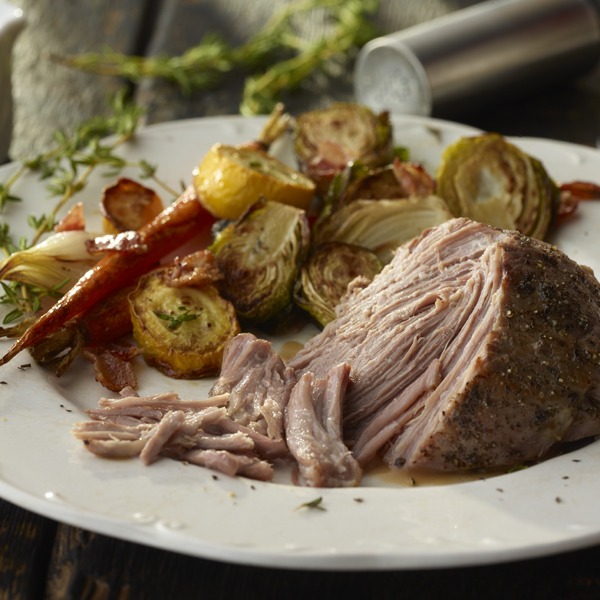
(40, 558)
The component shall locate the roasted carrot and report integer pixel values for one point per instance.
(175, 226)
(104, 323)
(109, 320)
(572, 193)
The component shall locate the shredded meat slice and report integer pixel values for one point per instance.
(313, 426)
(161, 434)
(230, 463)
(258, 384)
(194, 431)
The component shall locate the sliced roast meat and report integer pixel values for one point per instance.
(475, 348)
(113, 440)
(266, 447)
(257, 382)
(313, 427)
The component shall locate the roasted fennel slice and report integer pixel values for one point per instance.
(382, 225)
(260, 257)
(492, 181)
(325, 277)
(181, 330)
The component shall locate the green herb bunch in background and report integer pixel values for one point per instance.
(277, 59)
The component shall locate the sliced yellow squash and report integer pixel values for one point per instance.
(181, 330)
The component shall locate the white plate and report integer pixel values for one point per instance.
(545, 509)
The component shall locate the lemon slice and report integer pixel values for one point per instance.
(229, 179)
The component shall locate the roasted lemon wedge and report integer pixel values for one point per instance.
(181, 330)
(229, 179)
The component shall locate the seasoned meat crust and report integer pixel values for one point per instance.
(476, 348)
(537, 380)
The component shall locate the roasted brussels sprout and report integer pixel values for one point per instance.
(181, 330)
(229, 179)
(324, 278)
(488, 179)
(378, 183)
(399, 179)
(382, 225)
(327, 140)
(260, 256)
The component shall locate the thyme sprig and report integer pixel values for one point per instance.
(278, 58)
(349, 30)
(26, 300)
(68, 165)
(66, 169)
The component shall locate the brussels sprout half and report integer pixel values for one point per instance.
(490, 180)
(327, 140)
(399, 179)
(324, 278)
(260, 257)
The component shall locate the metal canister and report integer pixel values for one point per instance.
(481, 53)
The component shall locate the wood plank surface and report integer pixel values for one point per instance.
(26, 541)
(39, 559)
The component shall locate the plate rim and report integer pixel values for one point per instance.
(107, 525)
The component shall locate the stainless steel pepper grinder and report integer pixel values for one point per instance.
(481, 53)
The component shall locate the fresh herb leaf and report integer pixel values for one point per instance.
(316, 504)
(175, 320)
(6, 196)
